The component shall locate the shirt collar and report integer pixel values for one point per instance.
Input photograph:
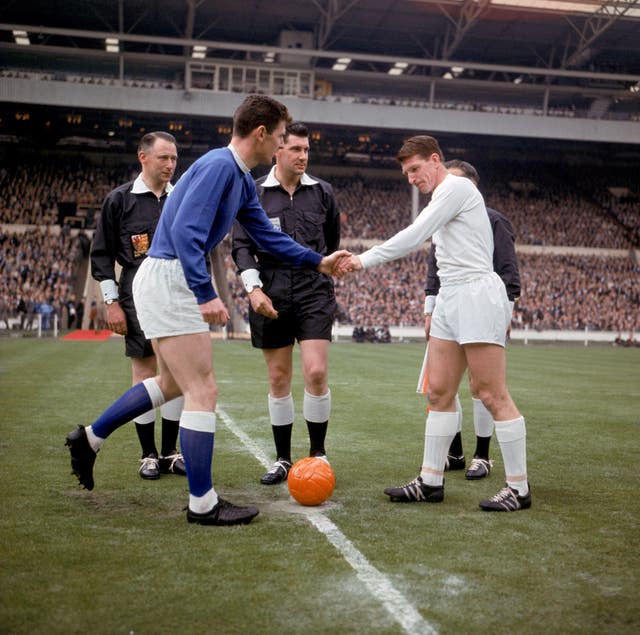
(241, 164)
(140, 187)
(272, 181)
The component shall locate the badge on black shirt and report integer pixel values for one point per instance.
(140, 243)
(276, 224)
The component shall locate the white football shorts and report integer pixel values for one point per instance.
(164, 303)
(473, 312)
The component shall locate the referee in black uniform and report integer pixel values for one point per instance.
(505, 264)
(289, 304)
(125, 229)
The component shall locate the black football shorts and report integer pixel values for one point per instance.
(306, 305)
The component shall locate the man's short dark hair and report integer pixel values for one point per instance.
(466, 168)
(420, 145)
(258, 110)
(297, 129)
(146, 143)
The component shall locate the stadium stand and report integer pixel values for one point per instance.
(561, 290)
(39, 274)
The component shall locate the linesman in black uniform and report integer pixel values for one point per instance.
(127, 223)
(290, 303)
(505, 264)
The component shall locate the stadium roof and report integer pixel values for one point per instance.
(584, 54)
(584, 44)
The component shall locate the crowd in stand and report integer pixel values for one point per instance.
(36, 194)
(558, 292)
(372, 209)
(556, 218)
(38, 274)
(577, 292)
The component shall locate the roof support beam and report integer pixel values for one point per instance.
(235, 46)
(330, 11)
(595, 25)
(470, 11)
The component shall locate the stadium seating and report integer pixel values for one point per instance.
(559, 291)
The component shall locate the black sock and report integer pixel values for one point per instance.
(482, 447)
(170, 431)
(455, 449)
(146, 435)
(317, 434)
(282, 438)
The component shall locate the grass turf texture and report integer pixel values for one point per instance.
(122, 559)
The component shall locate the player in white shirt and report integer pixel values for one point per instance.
(468, 326)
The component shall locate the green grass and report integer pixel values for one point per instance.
(122, 559)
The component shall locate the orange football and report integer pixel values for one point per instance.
(311, 481)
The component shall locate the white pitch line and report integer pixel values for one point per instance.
(400, 609)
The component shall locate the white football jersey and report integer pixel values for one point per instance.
(457, 219)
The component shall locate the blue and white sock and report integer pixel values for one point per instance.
(138, 399)
(197, 433)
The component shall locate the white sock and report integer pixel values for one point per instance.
(172, 410)
(203, 504)
(146, 417)
(482, 419)
(154, 392)
(316, 409)
(439, 432)
(94, 440)
(459, 413)
(281, 410)
(512, 438)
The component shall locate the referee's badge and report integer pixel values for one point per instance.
(276, 224)
(140, 243)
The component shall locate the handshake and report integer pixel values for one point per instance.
(337, 264)
(340, 263)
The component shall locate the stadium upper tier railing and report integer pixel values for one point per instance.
(293, 82)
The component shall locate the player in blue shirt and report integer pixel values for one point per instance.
(176, 302)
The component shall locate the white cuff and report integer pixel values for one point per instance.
(429, 304)
(251, 279)
(109, 290)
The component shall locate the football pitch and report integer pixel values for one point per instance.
(122, 558)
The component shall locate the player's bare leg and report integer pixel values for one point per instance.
(143, 368)
(317, 396)
(188, 359)
(487, 363)
(85, 442)
(281, 411)
(483, 427)
(445, 366)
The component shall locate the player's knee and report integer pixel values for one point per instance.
(316, 377)
(493, 400)
(279, 380)
(439, 398)
(170, 389)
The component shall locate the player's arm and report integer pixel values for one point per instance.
(194, 219)
(279, 244)
(104, 248)
(243, 254)
(257, 226)
(447, 201)
(505, 259)
(432, 289)
(332, 224)
(103, 256)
